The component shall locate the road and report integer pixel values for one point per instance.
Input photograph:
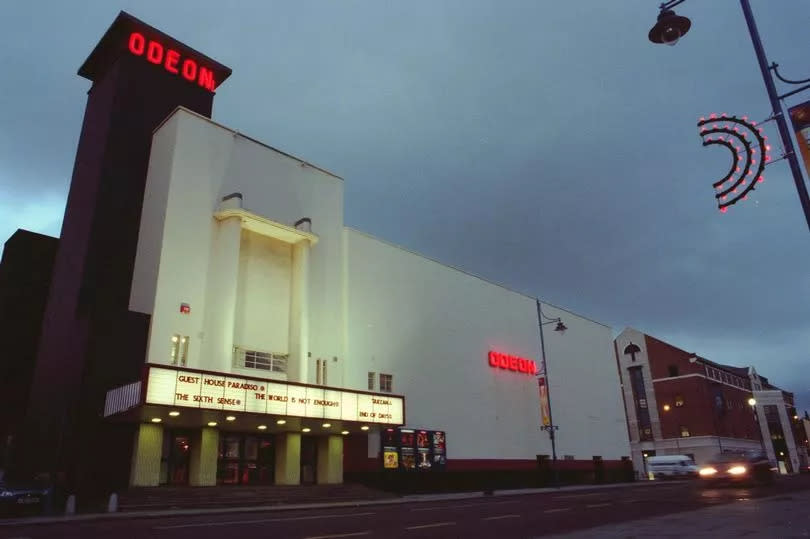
(527, 515)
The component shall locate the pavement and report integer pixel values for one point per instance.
(784, 516)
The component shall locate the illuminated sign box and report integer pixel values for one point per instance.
(192, 389)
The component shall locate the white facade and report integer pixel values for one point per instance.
(776, 399)
(335, 296)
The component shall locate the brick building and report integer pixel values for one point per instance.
(25, 275)
(680, 403)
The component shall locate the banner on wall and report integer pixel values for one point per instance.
(800, 117)
(545, 410)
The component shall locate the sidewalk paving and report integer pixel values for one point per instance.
(319, 505)
(783, 516)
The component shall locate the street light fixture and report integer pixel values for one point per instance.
(671, 27)
(551, 428)
(752, 402)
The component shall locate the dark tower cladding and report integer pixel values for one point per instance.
(90, 340)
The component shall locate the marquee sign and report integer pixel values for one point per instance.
(512, 363)
(193, 389)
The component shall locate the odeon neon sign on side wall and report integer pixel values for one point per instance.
(498, 360)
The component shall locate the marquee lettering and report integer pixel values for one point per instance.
(170, 59)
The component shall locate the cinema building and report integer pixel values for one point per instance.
(211, 319)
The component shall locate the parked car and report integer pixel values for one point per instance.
(23, 497)
(746, 467)
(670, 466)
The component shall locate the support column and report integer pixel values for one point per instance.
(222, 280)
(203, 462)
(765, 431)
(297, 368)
(330, 459)
(787, 431)
(145, 470)
(288, 458)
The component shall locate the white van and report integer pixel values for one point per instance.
(660, 467)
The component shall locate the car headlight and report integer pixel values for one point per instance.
(6, 494)
(707, 471)
(737, 470)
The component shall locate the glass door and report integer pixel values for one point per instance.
(309, 460)
(230, 452)
(178, 458)
(246, 459)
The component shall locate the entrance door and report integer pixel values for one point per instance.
(259, 462)
(246, 459)
(179, 456)
(309, 459)
(266, 461)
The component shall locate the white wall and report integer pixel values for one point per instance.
(372, 306)
(196, 162)
(432, 328)
(153, 214)
(586, 400)
(263, 297)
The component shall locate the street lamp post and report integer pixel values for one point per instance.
(752, 402)
(551, 428)
(671, 27)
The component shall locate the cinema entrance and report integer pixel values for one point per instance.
(246, 459)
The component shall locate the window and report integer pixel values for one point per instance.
(568, 457)
(678, 400)
(684, 432)
(179, 354)
(386, 383)
(255, 359)
(673, 370)
(371, 377)
(320, 371)
(639, 397)
(642, 403)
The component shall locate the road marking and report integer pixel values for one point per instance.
(501, 516)
(339, 535)
(232, 522)
(598, 505)
(571, 496)
(558, 510)
(435, 525)
(459, 506)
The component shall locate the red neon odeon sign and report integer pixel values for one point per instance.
(171, 60)
(498, 360)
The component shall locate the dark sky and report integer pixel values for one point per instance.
(544, 145)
